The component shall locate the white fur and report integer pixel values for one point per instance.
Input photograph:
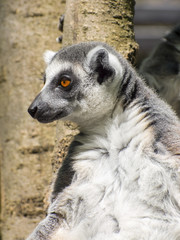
(48, 56)
(122, 188)
(114, 62)
(92, 52)
(98, 99)
(53, 69)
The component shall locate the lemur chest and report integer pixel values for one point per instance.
(107, 173)
(116, 183)
(113, 161)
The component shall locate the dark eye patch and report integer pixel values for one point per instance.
(64, 75)
(65, 91)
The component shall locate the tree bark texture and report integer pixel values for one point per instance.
(27, 29)
(109, 21)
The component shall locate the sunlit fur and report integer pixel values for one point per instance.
(120, 179)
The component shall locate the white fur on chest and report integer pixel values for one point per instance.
(118, 191)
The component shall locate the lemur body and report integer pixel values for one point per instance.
(120, 179)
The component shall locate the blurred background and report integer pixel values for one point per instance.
(153, 19)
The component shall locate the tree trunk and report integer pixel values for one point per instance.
(27, 29)
(109, 21)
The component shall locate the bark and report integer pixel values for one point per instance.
(109, 21)
(27, 29)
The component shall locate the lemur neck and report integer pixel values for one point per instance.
(119, 123)
(128, 130)
(98, 125)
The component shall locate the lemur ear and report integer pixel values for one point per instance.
(100, 64)
(48, 56)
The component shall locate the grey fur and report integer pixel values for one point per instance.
(120, 179)
(162, 69)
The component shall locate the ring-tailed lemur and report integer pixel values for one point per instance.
(162, 68)
(121, 177)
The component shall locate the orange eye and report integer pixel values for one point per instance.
(65, 82)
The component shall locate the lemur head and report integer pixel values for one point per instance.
(81, 84)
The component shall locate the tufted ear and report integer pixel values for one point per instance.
(48, 56)
(100, 64)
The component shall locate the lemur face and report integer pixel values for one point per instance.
(80, 83)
